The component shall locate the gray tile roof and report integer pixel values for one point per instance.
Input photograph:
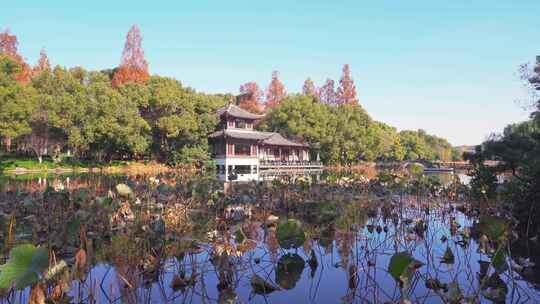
(278, 140)
(267, 138)
(236, 111)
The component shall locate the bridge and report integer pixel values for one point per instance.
(456, 165)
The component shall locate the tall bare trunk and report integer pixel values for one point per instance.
(7, 143)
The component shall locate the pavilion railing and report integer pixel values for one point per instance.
(285, 163)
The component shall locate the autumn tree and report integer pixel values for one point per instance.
(327, 93)
(308, 89)
(16, 102)
(42, 64)
(346, 92)
(251, 97)
(133, 67)
(9, 47)
(275, 92)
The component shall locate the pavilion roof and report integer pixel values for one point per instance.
(236, 111)
(278, 140)
(266, 138)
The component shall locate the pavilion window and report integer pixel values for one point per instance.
(231, 123)
(242, 169)
(242, 149)
(240, 123)
(230, 149)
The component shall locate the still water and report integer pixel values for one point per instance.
(331, 241)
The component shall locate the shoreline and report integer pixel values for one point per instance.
(132, 168)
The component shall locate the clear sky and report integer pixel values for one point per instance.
(449, 67)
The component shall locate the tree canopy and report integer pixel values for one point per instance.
(347, 134)
(124, 113)
(518, 151)
(79, 111)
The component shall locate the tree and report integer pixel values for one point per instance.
(251, 97)
(387, 143)
(308, 89)
(530, 75)
(59, 97)
(344, 133)
(42, 64)
(518, 150)
(327, 92)
(179, 118)
(415, 147)
(116, 129)
(420, 145)
(300, 117)
(9, 47)
(16, 102)
(353, 137)
(133, 67)
(346, 92)
(275, 92)
(9, 44)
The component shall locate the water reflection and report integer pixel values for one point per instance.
(333, 241)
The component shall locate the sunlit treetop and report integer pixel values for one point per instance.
(9, 47)
(346, 92)
(308, 89)
(276, 91)
(133, 66)
(251, 97)
(42, 64)
(327, 93)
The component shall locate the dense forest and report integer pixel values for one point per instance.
(126, 113)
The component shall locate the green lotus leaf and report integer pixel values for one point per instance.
(24, 267)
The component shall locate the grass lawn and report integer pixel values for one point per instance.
(11, 162)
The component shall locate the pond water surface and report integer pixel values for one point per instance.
(343, 239)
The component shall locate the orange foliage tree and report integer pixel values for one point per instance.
(133, 67)
(309, 88)
(9, 47)
(42, 64)
(251, 97)
(346, 92)
(276, 91)
(326, 93)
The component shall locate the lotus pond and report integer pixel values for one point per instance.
(393, 238)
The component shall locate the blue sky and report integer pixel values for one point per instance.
(449, 67)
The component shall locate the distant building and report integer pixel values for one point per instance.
(244, 154)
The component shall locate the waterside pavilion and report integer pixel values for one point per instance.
(244, 154)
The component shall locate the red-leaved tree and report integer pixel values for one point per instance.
(42, 64)
(308, 89)
(251, 97)
(133, 66)
(346, 92)
(327, 92)
(8, 47)
(276, 91)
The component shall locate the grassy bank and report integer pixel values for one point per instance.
(10, 164)
(17, 163)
